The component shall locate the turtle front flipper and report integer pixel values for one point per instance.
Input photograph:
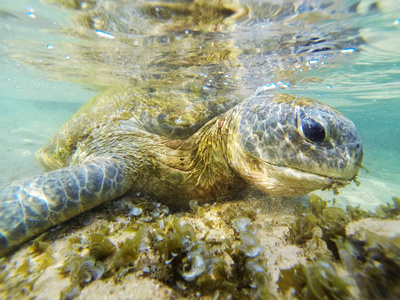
(32, 206)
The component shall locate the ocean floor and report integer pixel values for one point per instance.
(241, 249)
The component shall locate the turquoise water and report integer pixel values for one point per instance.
(43, 79)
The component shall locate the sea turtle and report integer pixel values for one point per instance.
(124, 139)
(281, 144)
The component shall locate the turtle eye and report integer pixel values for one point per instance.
(313, 130)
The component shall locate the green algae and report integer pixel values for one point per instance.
(389, 211)
(356, 213)
(302, 229)
(127, 255)
(374, 263)
(17, 283)
(331, 220)
(81, 271)
(315, 281)
(182, 252)
(192, 264)
(317, 205)
(100, 247)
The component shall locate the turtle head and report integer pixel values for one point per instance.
(287, 145)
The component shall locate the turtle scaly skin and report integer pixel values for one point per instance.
(283, 145)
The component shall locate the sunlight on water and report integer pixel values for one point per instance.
(54, 59)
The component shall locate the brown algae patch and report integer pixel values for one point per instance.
(136, 249)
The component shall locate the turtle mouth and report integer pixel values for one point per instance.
(336, 182)
(333, 183)
(290, 181)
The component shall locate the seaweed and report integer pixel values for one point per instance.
(236, 210)
(332, 221)
(249, 245)
(374, 263)
(333, 224)
(188, 263)
(128, 254)
(18, 283)
(172, 236)
(243, 224)
(389, 211)
(81, 271)
(180, 252)
(250, 269)
(100, 247)
(372, 260)
(356, 213)
(315, 281)
(302, 229)
(317, 205)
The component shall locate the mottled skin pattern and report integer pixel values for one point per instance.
(106, 149)
(290, 163)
